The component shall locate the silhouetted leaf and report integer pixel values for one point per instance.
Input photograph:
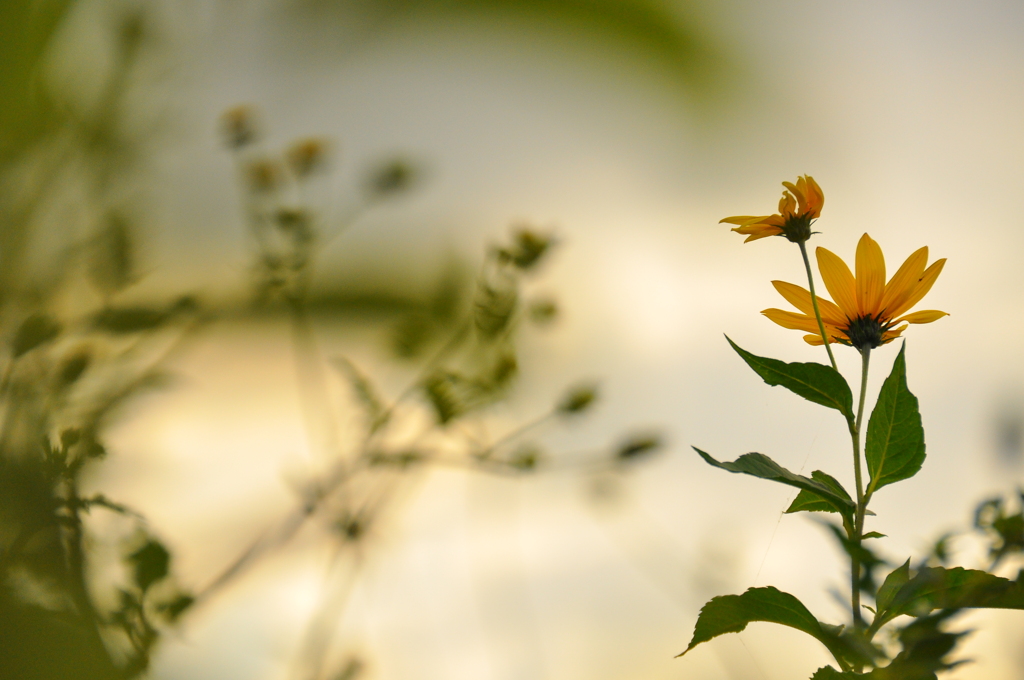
(814, 382)
(760, 465)
(810, 501)
(894, 447)
(732, 613)
(940, 588)
(33, 332)
(829, 673)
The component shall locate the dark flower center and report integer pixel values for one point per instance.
(797, 228)
(866, 332)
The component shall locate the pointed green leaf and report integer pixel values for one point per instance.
(810, 501)
(732, 613)
(814, 382)
(896, 579)
(894, 448)
(940, 588)
(760, 465)
(873, 534)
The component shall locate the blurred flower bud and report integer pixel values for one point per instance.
(307, 156)
(392, 178)
(578, 399)
(526, 458)
(263, 176)
(543, 312)
(239, 126)
(527, 248)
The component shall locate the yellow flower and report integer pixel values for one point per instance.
(799, 206)
(866, 310)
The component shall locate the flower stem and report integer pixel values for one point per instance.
(814, 302)
(858, 524)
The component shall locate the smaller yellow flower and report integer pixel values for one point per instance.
(867, 310)
(799, 206)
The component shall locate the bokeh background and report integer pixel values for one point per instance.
(627, 129)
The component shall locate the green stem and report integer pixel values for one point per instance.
(814, 303)
(858, 525)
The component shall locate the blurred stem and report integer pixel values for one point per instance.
(858, 526)
(814, 302)
(312, 387)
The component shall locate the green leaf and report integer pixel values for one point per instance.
(36, 330)
(829, 673)
(814, 382)
(760, 465)
(810, 501)
(732, 613)
(940, 588)
(894, 448)
(873, 534)
(896, 579)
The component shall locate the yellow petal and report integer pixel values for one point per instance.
(922, 288)
(839, 282)
(792, 320)
(924, 316)
(800, 298)
(870, 276)
(903, 282)
(815, 197)
(891, 335)
(743, 219)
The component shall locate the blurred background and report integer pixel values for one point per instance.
(413, 157)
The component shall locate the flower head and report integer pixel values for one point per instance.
(867, 311)
(799, 206)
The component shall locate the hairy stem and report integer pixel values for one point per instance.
(814, 302)
(858, 525)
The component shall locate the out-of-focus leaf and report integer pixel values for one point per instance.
(760, 465)
(829, 673)
(72, 367)
(26, 28)
(814, 382)
(693, 58)
(34, 331)
(732, 613)
(638, 446)
(151, 563)
(577, 400)
(894, 447)
(925, 646)
(363, 390)
(869, 561)
(124, 320)
(810, 501)
(494, 306)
